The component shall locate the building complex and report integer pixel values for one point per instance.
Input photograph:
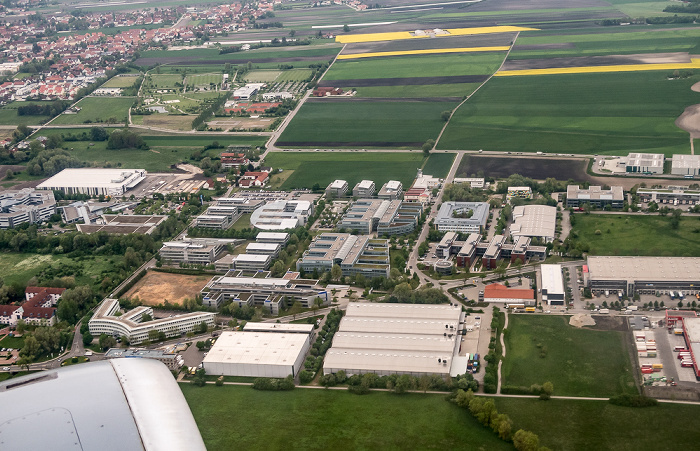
(534, 221)
(462, 217)
(595, 196)
(282, 215)
(25, 206)
(382, 216)
(353, 253)
(94, 181)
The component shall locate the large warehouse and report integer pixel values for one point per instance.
(258, 354)
(415, 339)
(552, 284)
(647, 275)
(534, 221)
(94, 181)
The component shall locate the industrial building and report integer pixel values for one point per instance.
(596, 196)
(257, 354)
(552, 284)
(94, 181)
(337, 188)
(364, 188)
(672, 196)
(511, 297)
(123, 224)
(520, 192)
(382, 216)
(354, 254)
(534, 221)
(391, 190)
(645, 163)
(462, 217)
(282, 215)
(688, 324)
(25, 206)
(414, 339)
(644, 275)
(130, 325)
(200, 252)
(252, 288)
(688, 165)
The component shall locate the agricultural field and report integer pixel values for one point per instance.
(365, 124)
(332, 419)
(155, 82)
(579, 362)
(538, 168)
(602, 426)
(165, 121)
(98, 110)
(310, 168)
(629, 235)
(156, 287)
(578, 113)
(201, 140)
(262, 76)
(439, 164)
(294, 75)
(208, 81)
(158, 159)
(121, 81)
(9, 116)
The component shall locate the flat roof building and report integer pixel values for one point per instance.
(172, 361)
(94, 181)
(522, 192)
(272, 249)
(353, 253)
(685, 165)
(646, 163)
(391, 190)
(257, 354)
(499, 293)
(337, 188)
(280, 238)
(414, 339)
(534, 221)
(462, 217)
(251, 262)
(552, 284)
(596, 196)
(123, 224)
(365, 188)
(244, 205)
(190, 252)
(383, 216)
(672, 195)
(282, 215)
(25, 206)
(646, 275)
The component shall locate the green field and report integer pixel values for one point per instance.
(359, 124)
(120, 82)
(324, 167)
(630, 235)
(159, 81)
(439, 164)
(417, 66)
(204, 140)
(262, 76)
(98, 110)
(598, 425)
(307, 419)
(204, 79)
(444, 90)
(611, 114)
(18, 268)
(308, 53)
(294, 75)
(579, 362)
(8, 115)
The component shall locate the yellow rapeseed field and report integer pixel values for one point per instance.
(423, 52)
(694, 64)
(399, 35)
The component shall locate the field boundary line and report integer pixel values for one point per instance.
(444, 127)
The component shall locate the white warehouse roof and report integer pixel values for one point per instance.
(552, 279)
(94, 177)
(256, 348)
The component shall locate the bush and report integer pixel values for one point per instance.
(306, 376)
(264, 383)
(633, 401)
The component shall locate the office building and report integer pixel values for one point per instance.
(391, 190)
(353, 253)
(25, 206)
(364, 188)
(337, 188)
(462, 217)
(595, 196)
(282, 215)
(191, 252)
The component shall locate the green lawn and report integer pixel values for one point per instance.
(262, 76)
(630, 235)
(9, 116)
(365, 124)
(305, 419)
(445, 90)
(439, 164)
(567, 425)
(154, 160)
(157, 81)
(204, 140)
(294, 75)
(12, 342)
(417, 66)
(121, 81)
(611, 114)
(324, 167)
(204, 79)
(97, 110)
(243, 222)
(579, 362)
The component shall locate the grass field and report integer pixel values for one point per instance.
(324, 167)
(306, 419)
(579, 362)
(602, 69)
(598, 425)
(155, 160)
(8, 115)
(294, 75)
(204, 140)
(421, 52)
(263, 76)
(439, 164)
(630, 235)
(156, 81)
(396, 91)
(120, 82)
(98, 109)
(18, 268)
(417, 66)
(365, 123)
(204, 79)
(582, 114)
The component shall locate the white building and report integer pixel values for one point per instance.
(337, 188)
(552, 284)
(272, 249)
(94, 181)
(129, 324)
(365, 188)
(647, 163)
(391, 190)
(26, 205)
(534, 221)
(280, 238)
(251, 262)
(247, 91)
(190, 252)
(462, 217)
(685, 165)
(257, 354)
(282, 215)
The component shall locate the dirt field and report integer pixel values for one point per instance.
(588, 61)
(538, 168)
(690, 121)
(241, 123)
(155, 287)
(172, 122)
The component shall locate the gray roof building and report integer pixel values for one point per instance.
(462, 217)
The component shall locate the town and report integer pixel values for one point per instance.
(376, 212)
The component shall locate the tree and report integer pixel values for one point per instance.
(203, 327)
(445, 115)
(107, 341)
(676, 218)
(295, 309)
(87, 339)
(277, 268)
(21, 327)
(30, 349)
(49, 338)
(146, 318)
(428, 146)
(526, 441)
(346, 28)
(547, 390)
(336, 272)
(152, 335)
(24, 362)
